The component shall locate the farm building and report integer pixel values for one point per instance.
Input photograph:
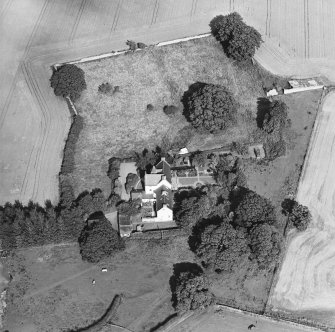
(299, 85)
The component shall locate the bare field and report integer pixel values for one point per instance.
(306, 284)
(52, 288)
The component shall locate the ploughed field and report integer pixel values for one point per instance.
(306, 283)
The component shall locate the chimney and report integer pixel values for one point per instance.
(163, 159)
(163, 177)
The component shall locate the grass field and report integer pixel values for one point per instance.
(116, 125)
(52, 288)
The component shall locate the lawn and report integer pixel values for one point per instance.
(118, 124)
(52, 288)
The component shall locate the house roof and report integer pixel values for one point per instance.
(152, 179)
(164, 167)
(163, 196)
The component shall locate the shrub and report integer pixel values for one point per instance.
(189, 287)
(170, 110)
(131, 182)
(209, 106)
(70, 145)
(132, 45)
(105, 88)
(150, 107)
(274, 149)
(99, 240)
(68, 80)
(141, 45)
(116, 89)
(276, 118)
(299, 215)
(239, 41)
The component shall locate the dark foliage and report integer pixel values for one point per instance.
(194, 205)
(146, 159)
(219, 246)
(189, 287)
(274, 149)
(131, 181)
(32, 225)
(68, 80)
(209, 106)
(170, 110)
(253, 209)
(263, 108)
(141, 45)
(265, 244)
(275, 118)
(150, 107)
(239, 40)
(298, 214)
(105, 88)
(228, 174)
(70, 145)
(132, 45)
(113, 168)
(99, 240)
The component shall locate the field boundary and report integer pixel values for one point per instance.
(269, 310)
(124, 51)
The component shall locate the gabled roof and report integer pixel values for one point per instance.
(152, 179)
(163, 196)
(164, 167)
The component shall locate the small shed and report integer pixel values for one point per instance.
(256, 151)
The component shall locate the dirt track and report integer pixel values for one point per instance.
(307, 277)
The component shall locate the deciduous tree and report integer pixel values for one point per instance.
(239, 40)
(209, 106)
(68, 80)
(189, 287)
(99, 240)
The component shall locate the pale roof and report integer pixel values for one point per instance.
(152, 179)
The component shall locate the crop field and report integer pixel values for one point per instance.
(306, 283)
(52, 288)
(119, 124)
(51, 31)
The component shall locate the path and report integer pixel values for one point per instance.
(307, 277)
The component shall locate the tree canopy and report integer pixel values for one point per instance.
(265, 244)
(209, 106)
(298, 214)
(189, 287)
(254, 209)
(99, 240)
(239, 40)
(276, 117)
(218, 244)
(68, 80)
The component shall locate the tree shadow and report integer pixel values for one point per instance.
(178, 269)
(263, 108)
